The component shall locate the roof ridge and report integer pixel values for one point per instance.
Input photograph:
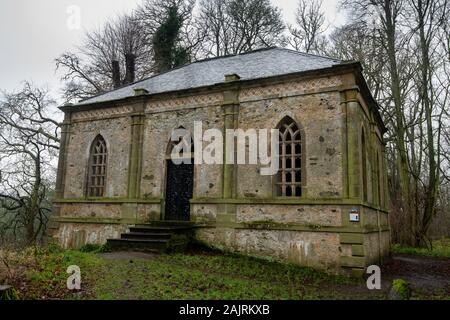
(231, 55)
(309, 54)
(180, 67)
(151, 82)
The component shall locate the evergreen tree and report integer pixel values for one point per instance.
(168, 53)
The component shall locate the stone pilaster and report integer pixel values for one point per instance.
(53, 226)
(353, 144)
(230, 107)
(63, 146)
(386, 199)
(353, 261)
(374, 165)
(136, 144)
(345, 185)
(229, 170)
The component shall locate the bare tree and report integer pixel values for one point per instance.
(404, 47)
(443, 78)
(122, 50)
(237, 26)
(384, 15)
(214, 19)
(429, 16)
(29, 142)
(357, 41)
(114, 55)
(307, 33)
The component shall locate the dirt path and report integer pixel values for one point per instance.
(426, 275)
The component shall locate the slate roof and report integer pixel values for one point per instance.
(251, 65)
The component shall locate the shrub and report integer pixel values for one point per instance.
(401, 289)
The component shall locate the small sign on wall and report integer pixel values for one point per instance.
(354, 215)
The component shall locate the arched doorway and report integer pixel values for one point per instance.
(179, 178)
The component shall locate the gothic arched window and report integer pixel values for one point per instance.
(289, 177)
(97, 168)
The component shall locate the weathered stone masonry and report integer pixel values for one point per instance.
(235, 206)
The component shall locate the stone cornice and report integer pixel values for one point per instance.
(350, 67)
(218, 88)
(288, 201)
(107, 201)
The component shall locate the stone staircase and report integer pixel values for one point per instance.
(156, 237)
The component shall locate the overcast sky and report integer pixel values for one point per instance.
(33, 33)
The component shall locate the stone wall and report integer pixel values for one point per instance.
(313, 249)
(300, 214)
(116, 133)
(204, 213)
(376, 246)
(102, 210)
(92, 210)
(82, 223)
(75, 235)
(313, 230)
(319, 115)
(373, 217)
(158, 127)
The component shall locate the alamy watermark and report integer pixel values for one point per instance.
(73, 21)
(74, 280)
(374, 280)
(211, 147)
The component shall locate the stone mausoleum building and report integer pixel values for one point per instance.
(326, 207)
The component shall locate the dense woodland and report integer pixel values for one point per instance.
(403, 46)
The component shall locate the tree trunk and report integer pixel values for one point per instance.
(433, 181)
(402, 162)
(33, 210)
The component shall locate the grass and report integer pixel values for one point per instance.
(441, 248)
(204, 276)
(40, 273)
(199, 275)
(47, 277)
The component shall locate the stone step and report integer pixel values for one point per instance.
(157, 229)
(171, 223)
(146, 235)
(160, 236)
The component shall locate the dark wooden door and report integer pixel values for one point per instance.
(179, 190)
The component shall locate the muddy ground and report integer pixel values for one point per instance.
(426, 275)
